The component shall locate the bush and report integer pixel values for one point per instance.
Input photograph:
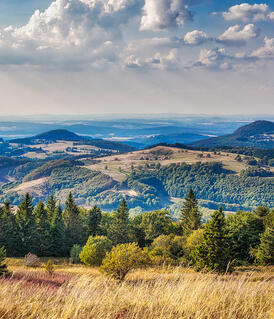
(75, 254)
(95, 250)
(49, 268)
(122, 259)
(3, 267)
(192, 242)
(31, 260)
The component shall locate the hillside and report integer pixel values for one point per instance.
(151, 178)
(258, 134)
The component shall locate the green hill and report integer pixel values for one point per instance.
(258, 134)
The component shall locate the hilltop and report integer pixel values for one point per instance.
(257, 134)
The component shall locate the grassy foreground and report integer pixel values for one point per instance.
(81, 292)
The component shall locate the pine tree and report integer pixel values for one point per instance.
(51, 206)
(265, 251)
(190, 215)
(57, 234)
(26, 224)
(10, 231)
(119, 231)
(42, 231)
(93, 221)
(71, 217)
(212, 254)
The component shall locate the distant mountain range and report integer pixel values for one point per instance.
(258, 134)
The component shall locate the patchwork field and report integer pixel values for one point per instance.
(75, 291)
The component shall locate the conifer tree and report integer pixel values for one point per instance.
(190, 215)
(42, 231)
(71, 217)
(93, 221)
(265, 252)
(26, 224)
(9, 231)
(119, 231)
(212, 254)
(57, 234)
(51, 206)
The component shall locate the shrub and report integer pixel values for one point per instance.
(95, 250)
(49, 268)
(192, 242)
(3, 267)
(31, 260)
(75, 254)
(122, 259)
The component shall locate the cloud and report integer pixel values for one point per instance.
(195, 37)
(236, 35)
(68, 30)
(247, 12)
(159, 15)
(266, 51)
(214, 59)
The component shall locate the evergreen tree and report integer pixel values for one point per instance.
(51, 207)
(57, 234)
(190, 215)
(42, 231)
(93, 221)
(212, 253)
(26, 225)
(119, 231)
(72, 222)
(9, 231)
(265, 251)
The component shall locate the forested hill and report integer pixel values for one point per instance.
(258, 134)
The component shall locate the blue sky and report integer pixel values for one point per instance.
(114, 56)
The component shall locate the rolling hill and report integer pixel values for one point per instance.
(258, 134)
(152, 179)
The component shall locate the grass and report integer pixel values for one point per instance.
(76, 291)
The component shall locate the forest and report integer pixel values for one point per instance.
(222, 242)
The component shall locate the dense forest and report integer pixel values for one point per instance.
(48, 230)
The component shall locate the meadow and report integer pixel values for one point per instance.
(77, 291)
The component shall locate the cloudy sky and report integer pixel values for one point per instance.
(136, 56)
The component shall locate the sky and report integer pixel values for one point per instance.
(136, 56)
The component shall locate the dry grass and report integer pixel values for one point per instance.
(80, 292)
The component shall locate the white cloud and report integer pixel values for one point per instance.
(213, 58)
(236, 35)
(266, 51)
(164, 14)
(195, 37)
(247, 12)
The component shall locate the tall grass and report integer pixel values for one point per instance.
(146, 294)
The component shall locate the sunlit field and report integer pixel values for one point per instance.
(76, 291)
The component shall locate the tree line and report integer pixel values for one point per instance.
(48, 230)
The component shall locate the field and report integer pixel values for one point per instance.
(75, 291)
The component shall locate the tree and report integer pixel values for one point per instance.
(190, 215)
(51, 207)
(9, 231)
(156, 223)
(42, 231)
(26, 225)
(119, 232)
(95, 250)
(243, 232)
(71, 217)
(212, 253)
(265, 252)
(3, 267)
(57, 234)
(122, 259)
(93, 221)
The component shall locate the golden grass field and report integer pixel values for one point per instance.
(82, 292)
